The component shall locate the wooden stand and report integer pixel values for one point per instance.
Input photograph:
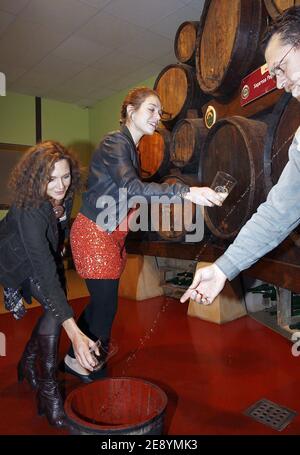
(140, 279)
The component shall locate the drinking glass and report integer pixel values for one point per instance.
(223, 184)
(106, 351)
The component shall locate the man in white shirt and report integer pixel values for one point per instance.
(280, 213)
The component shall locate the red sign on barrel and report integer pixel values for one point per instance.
(256, 84)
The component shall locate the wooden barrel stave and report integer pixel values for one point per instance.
(227, 45)
(234, 145)
(276, 7)
(178, 89)
(185, 42)
(173, 212)
(186, 144)
(154, 154)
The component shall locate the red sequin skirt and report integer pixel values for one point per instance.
(96, 253)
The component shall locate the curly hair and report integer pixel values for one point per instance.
(30, 177)
(287, 26)
(135, 98)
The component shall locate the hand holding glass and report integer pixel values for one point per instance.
(105, 353)
(223, 184)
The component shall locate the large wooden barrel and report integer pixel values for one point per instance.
(234, 145)
(154, 153)
(169, 220)
(178, 89)
(284, 122)
(277, 7)
(186, 144)
(185, 42)
(227, 45)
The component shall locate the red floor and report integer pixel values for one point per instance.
(210, 373)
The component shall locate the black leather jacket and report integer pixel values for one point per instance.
(115, 165)
(29, 244)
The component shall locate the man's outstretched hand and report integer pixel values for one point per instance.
(207, 284)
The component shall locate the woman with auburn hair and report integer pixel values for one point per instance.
(98, 248)
(31, 240)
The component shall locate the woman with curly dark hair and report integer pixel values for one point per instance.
(31, 236)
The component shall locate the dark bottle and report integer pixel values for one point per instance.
(268, 292)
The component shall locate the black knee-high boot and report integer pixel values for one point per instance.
(27, 367)
(49, 398)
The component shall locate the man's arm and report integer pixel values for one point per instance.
(272, 222)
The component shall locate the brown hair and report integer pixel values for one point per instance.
(287, 26)
(30, 177)
(135, 98)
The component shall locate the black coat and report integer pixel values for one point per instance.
(29, 246)
(114, 166)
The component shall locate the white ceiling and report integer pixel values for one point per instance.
(80, 51)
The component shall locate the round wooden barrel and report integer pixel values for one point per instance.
(276, 7)
(116, 406)
(283, 124)
(154, 153)
(185, 42)
(179, 91)
(169, 220)
(227, 45)
(234, 145)
(186, 144)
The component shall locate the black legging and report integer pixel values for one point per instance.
(47, 323)
(97, 318)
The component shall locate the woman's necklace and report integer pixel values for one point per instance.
(58, 209)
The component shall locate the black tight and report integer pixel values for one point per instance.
(97, 317)
(47, 323)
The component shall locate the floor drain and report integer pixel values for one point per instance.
(271, 414)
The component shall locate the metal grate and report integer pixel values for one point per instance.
(271, 414)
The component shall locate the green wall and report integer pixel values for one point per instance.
(72, 125)
(76, 127)
(17, 119)
(105, 115)
(63, 122)
(68, 124)
(2, 214)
